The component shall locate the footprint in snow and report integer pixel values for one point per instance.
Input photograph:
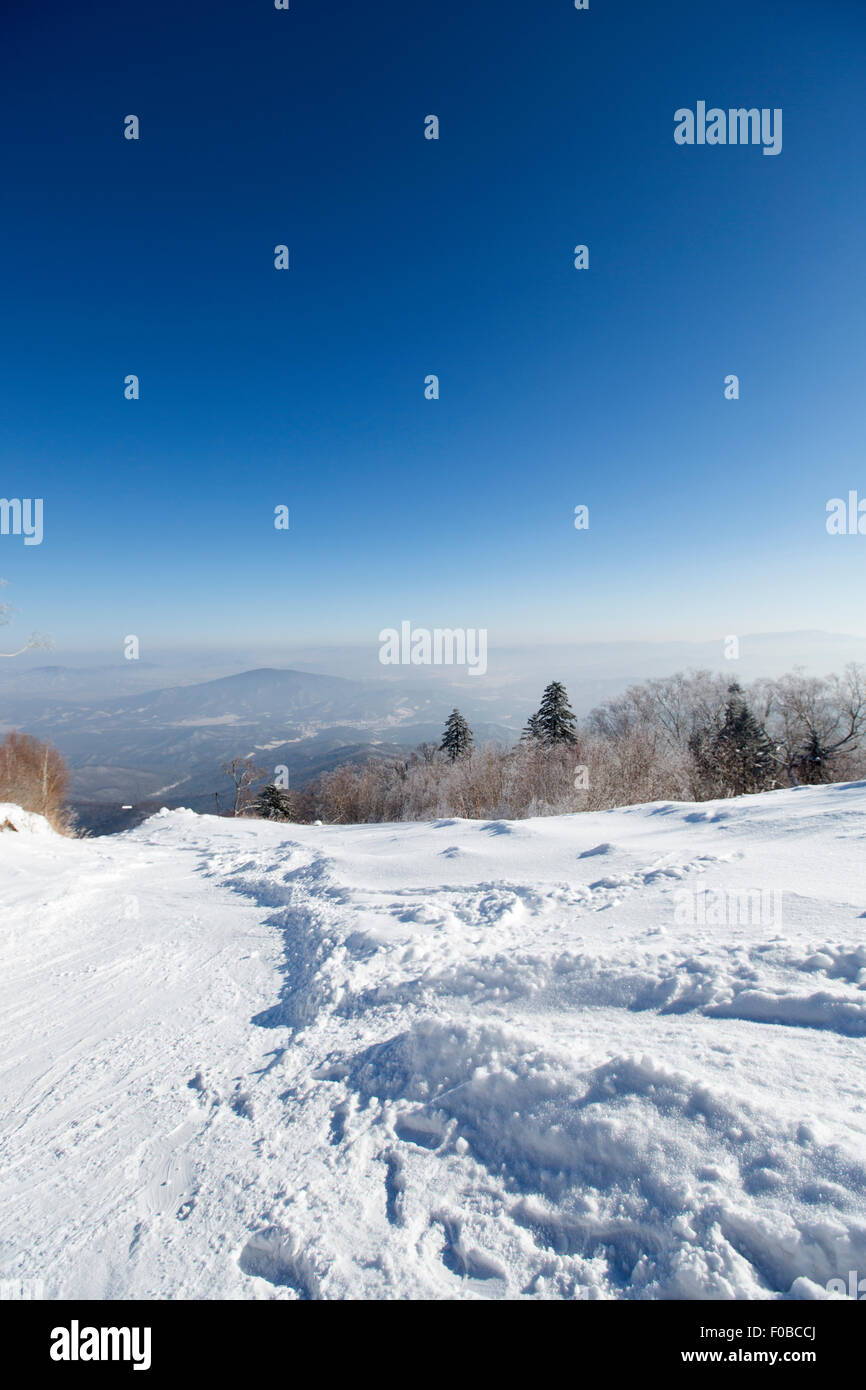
(275, 1255)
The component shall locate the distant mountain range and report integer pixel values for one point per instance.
(169, 745)
(148, 747)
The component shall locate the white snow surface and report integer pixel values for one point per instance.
(465, 1059)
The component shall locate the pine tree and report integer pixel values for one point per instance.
(531, 732)
(555, 720)
(273, 803)
(457, 738)
(742, 752)
(814, 763)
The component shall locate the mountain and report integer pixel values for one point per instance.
(169, 745)
(131, 738)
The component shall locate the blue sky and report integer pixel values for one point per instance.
(411, 257)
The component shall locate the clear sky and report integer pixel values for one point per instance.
(411, 256)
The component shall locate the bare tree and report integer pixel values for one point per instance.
(817, 721)
(34, 640)
(34, 776)
(244, 774)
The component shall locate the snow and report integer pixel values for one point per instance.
(614, 1055)
(12, 818)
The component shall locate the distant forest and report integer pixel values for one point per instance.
(694, 736)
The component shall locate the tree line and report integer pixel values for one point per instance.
(693, 736)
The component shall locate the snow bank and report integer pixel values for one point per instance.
(12, 818)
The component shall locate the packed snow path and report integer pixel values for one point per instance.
(556, 1058)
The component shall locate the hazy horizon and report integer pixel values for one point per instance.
(760, 654)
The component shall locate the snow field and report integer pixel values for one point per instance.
(452, 1060)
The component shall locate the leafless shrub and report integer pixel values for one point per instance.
(35, 777)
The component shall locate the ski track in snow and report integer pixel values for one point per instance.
(452, 1060)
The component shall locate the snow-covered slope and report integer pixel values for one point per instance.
(555, 1058)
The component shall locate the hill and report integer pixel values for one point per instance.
(170, 744)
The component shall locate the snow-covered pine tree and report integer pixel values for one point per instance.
(814, 762)
(555, 720)
(273, 803)
(457, 738)
(743, 754)
(531, 732)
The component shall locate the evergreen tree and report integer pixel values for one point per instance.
(457, 738)
(814, 763)
(555, 720)
(273, 803)
(743, 754)
(531, 733)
